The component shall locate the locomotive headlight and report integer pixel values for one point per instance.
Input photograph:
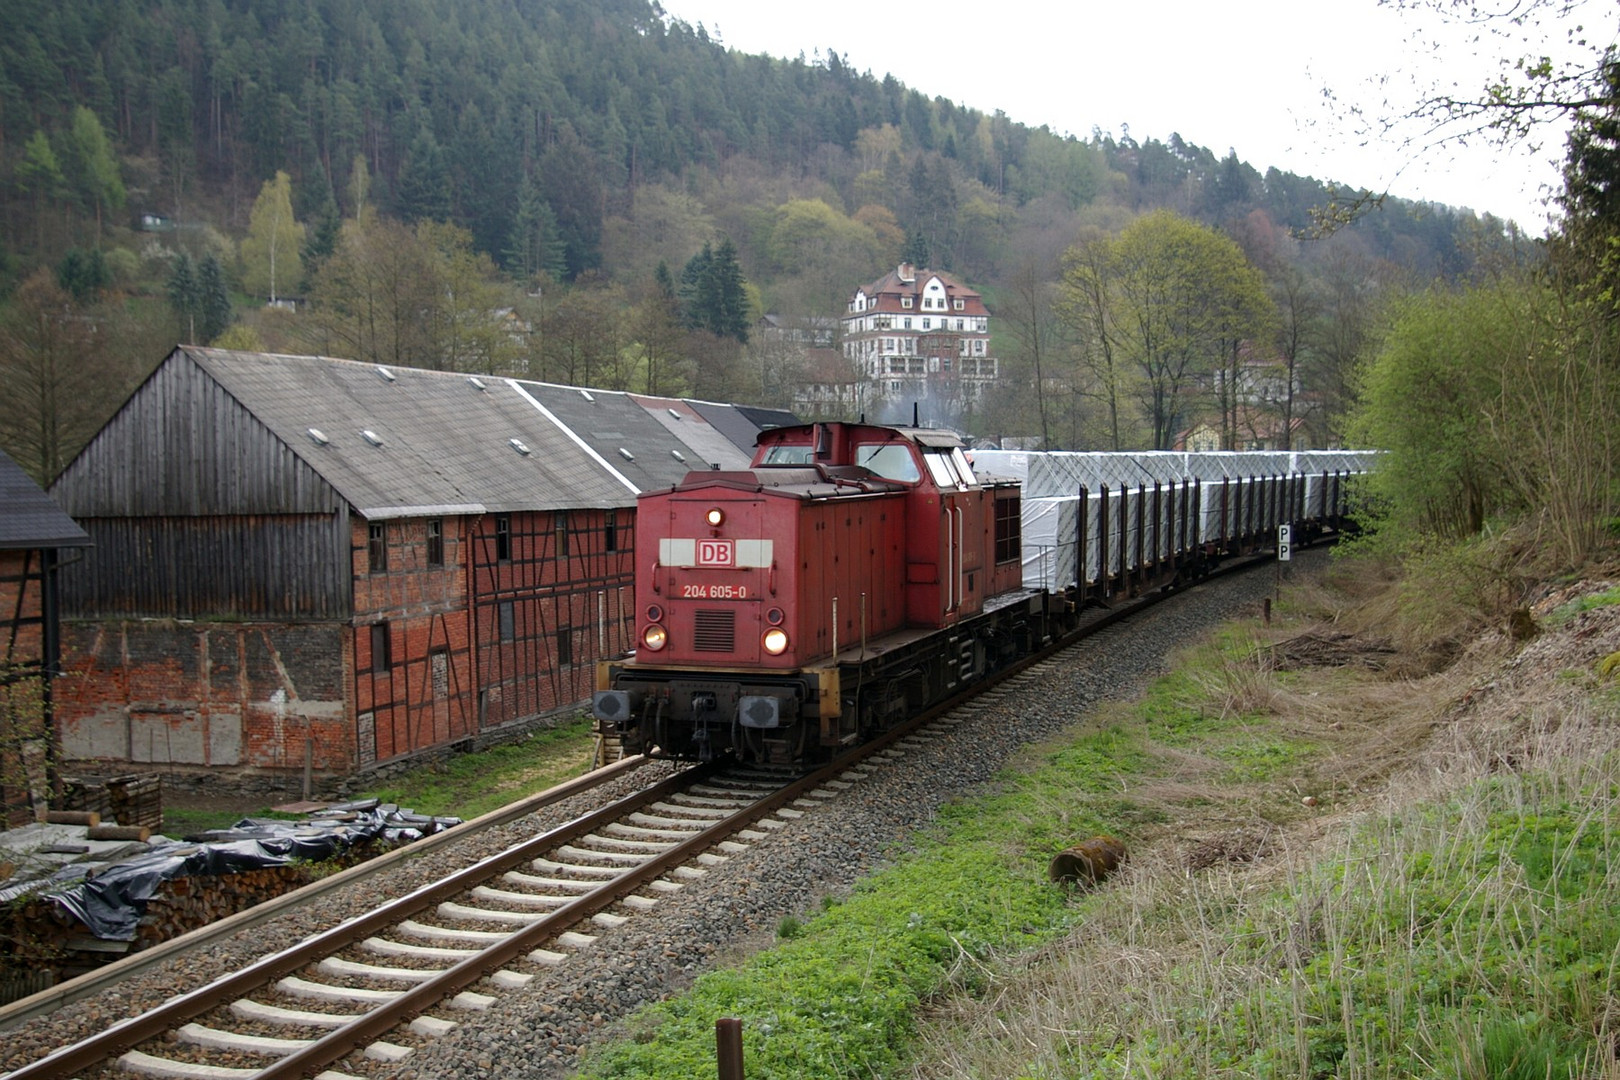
(715, 516)
(654, 638)
(775, 641)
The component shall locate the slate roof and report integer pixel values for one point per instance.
(447, 439)
(884, 294)
(28, 517)
(742, 424)
(618, 430)
(709, 446)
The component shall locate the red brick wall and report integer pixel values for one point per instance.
(423, 693)
(244, 695)
(248, 695)
(541, 588)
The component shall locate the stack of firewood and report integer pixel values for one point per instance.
(189, 902)
(44, 937)
(84, 793)
(128, 800)
(137, 800)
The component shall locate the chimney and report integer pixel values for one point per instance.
(906, 273)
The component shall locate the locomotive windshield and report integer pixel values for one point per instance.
(892, 461)
(782, 454)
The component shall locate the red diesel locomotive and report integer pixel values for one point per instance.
(852, 575)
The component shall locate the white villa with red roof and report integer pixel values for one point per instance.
(919, 336)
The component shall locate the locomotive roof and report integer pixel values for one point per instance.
(934, 438)
(794, 481)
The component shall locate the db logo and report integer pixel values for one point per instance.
(715, 553)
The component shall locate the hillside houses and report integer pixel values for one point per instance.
(306, 559)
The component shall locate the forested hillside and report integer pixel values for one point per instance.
(554, 167)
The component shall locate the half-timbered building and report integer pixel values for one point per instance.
(302, 559)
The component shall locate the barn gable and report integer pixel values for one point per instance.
(197, 509)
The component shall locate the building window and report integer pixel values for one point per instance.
(503, 538)
(377, 546)
(559, 525)
(928, 324)
(905, 301)
(381, 657)
(957, 304)
(610, 528)
(565, 647)
(435, 542)
(508, 621)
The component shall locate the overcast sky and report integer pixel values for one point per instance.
(1245, 75)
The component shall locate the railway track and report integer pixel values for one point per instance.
(379, 984)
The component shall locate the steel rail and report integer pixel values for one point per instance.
(93, 982)
(130, 1032)
(372, 1026)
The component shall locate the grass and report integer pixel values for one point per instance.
(190, 821)
(464, 786)
(1320, 886)
(468, 785)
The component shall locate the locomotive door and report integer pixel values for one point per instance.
(952, 519)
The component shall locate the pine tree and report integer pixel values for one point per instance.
(213, 298)
(713, 293)
(185, 293)
(424, 181)
(82, 274)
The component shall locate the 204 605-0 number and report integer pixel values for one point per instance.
(714, 592)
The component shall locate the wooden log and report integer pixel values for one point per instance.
(119, 832)
(72, 817)
(1087, 862)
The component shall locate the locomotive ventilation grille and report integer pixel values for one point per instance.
(714, 631)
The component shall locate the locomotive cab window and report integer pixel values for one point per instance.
(1009, 529)
(788, 455)
(892, 461)
(943, 468)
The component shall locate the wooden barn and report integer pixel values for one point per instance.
(34, 533)
(301, 559)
